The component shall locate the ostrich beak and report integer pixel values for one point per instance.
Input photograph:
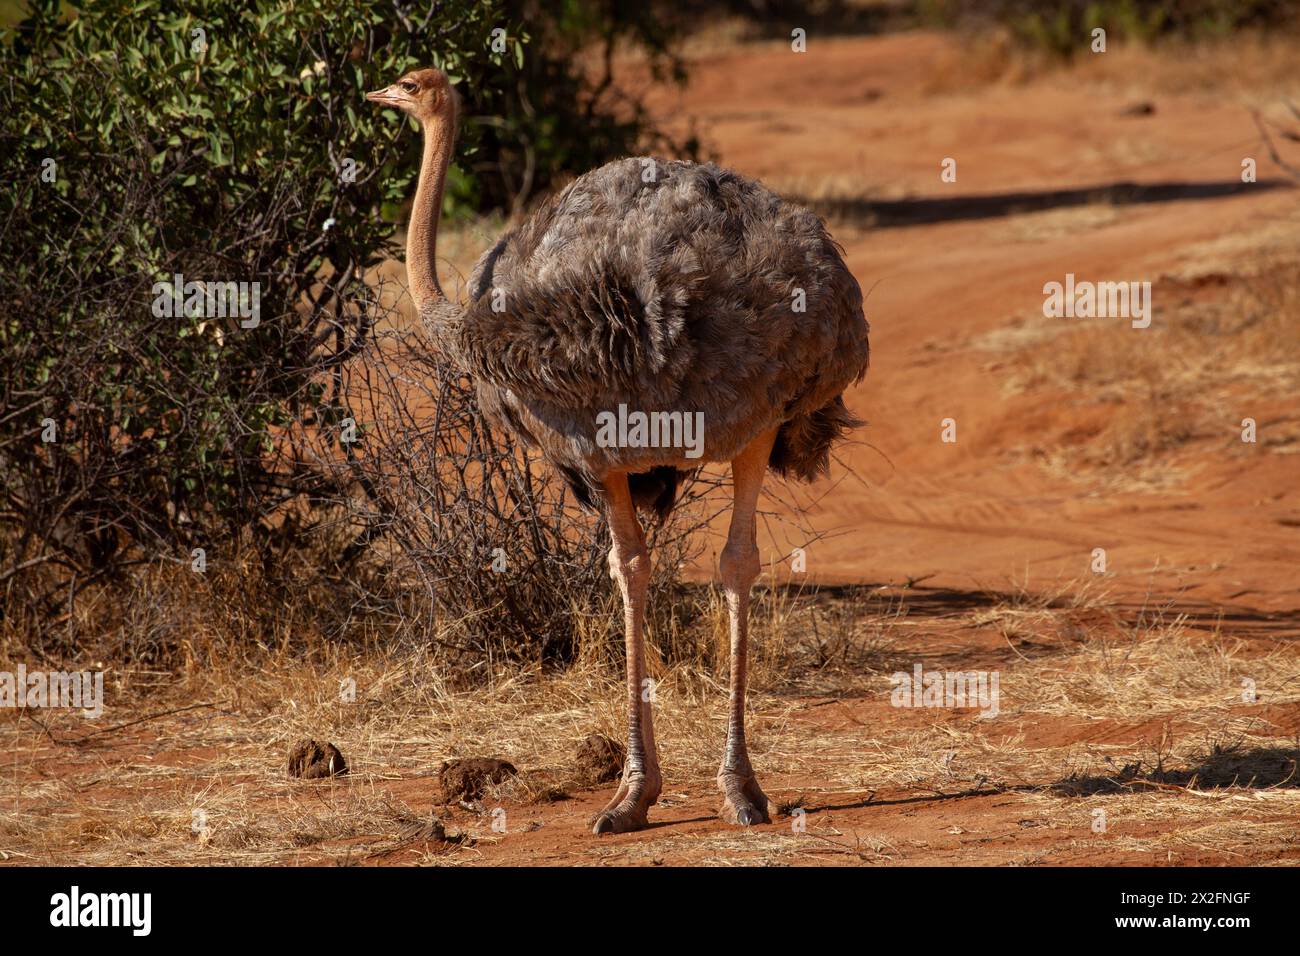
(387, 97)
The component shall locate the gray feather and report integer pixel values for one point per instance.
(663, 286)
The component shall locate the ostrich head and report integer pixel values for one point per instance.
(425, 95)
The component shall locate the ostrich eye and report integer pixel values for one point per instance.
(408, 86)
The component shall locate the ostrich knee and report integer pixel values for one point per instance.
(739, 567)
(631, 569)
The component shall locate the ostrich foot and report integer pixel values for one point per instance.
(627, 811)
(743, 801)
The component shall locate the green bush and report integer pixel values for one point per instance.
(228, 142)
(224, 143)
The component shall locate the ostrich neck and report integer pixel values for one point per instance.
(422, 234)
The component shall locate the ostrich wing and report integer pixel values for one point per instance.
(641, 279)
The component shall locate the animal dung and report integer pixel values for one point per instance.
(313, 761)
(465, 778)
(1139, 109)
(599, 759)
(431, 830)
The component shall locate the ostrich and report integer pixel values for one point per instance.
(656, 286)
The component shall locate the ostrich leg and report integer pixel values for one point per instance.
(629, 565)
(743, 801)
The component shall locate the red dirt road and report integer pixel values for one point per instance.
(982, 510)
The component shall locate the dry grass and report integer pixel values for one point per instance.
(985, 58)
(1056, 223)
(1242, 68)
(1222, 346)
(1136, 714)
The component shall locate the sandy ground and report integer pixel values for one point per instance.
(979, 511)
(1140, 667)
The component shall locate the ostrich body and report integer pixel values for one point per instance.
(657, 287)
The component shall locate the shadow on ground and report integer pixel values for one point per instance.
(923, 211)
(1264, 768)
